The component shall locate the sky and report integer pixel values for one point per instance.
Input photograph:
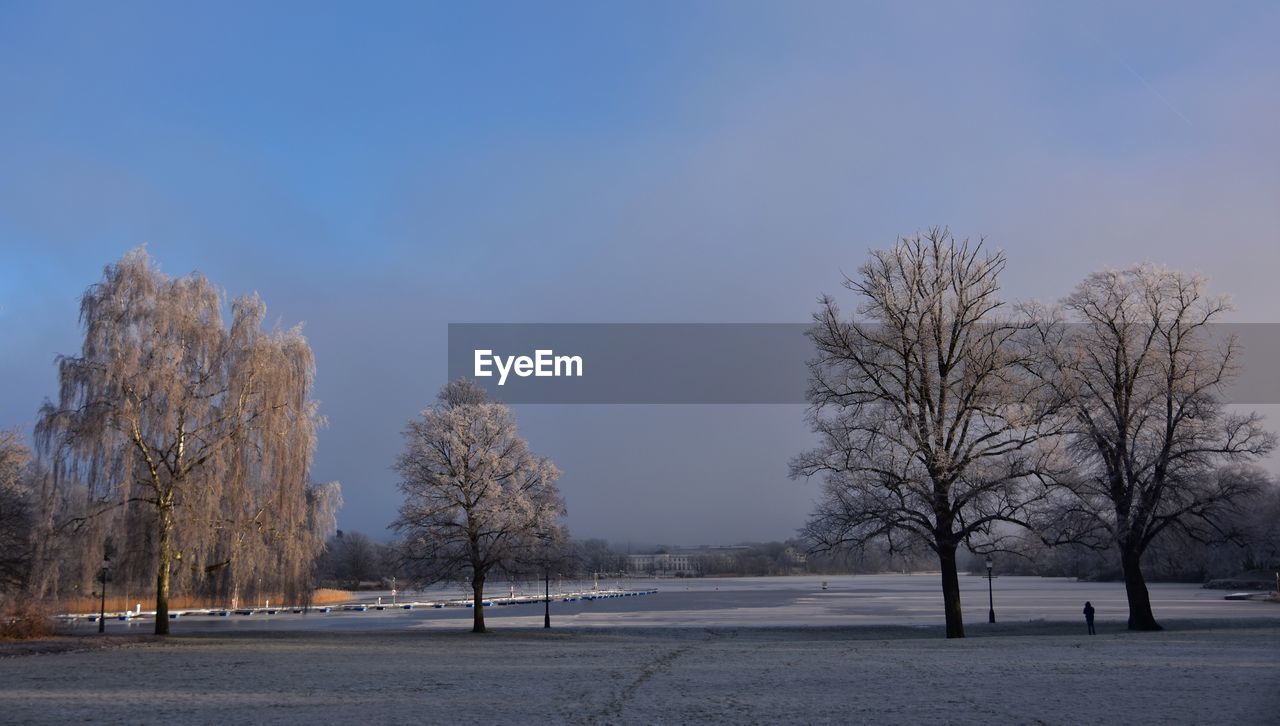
(377, 171)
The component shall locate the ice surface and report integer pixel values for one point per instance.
(913, 600)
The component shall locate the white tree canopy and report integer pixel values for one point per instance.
(476, 499)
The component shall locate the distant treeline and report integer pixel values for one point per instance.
(352, 560)
(1248, 542)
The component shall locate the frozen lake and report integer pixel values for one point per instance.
(873, 600)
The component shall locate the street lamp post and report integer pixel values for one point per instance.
(546, 597)
(991, 598)
(102, 593)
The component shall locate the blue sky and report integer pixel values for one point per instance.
(379, 170)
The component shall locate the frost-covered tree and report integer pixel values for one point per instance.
(930, 431)
(1134, 367)
(187, 441)
(476, 500)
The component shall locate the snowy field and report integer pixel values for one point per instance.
(868, 649)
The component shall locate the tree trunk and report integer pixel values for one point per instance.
(1135, 586)
(951, 591)
(162, 570)
(477, 610)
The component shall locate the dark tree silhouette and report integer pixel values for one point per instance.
(1133, 365)
(930, 431)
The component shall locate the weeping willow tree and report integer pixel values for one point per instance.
(187, 441)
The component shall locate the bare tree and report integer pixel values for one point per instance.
(1257, 527)
(16, 516)
(354, 558)
(476, 499)
(930, 432)
(187, 439)
(597, 556)
(1131, 361)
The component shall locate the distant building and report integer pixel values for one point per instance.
(770, 559)
(662, 563)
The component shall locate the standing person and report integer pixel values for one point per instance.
(1088, 616)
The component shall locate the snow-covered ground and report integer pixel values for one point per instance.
(868, 649)
(1207, 672)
